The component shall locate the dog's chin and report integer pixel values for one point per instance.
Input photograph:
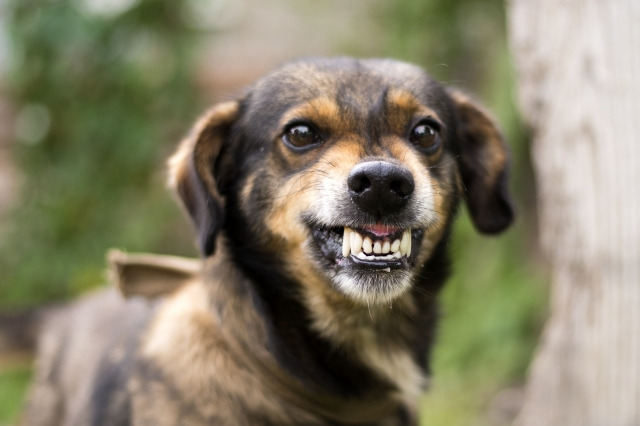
(369, 264)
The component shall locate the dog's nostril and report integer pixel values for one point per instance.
(403, 187)
(358, 182)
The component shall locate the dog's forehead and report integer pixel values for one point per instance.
(357, 84)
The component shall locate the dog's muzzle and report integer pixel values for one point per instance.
(375, 239)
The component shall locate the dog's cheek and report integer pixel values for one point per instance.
(289, 201)
(442, 211)
(257, 200)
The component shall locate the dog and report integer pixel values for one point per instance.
(323, 200)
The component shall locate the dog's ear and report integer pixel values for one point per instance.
(192, 170)
(483, 164)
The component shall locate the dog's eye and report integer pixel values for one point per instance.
(426, 137)
(301, 136)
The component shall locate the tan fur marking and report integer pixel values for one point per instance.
(323, 112)
(403, 100)
(403, 108)
(247, 189)
(178, 163)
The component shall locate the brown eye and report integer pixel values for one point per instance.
(301, 136)
(426, 137)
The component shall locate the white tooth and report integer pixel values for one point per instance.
(395, 246)
(386, 270)
(386, 246)
(346, 242)
(356, 242)
(367, 245)
(363, 256)
(377, 247)
(405, 244)
(397, 255)
(408, 232)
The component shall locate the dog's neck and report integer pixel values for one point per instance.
(381, 337)
(300, 365)
(340, 345)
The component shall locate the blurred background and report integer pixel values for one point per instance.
(95, 94)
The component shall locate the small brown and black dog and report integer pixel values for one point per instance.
(323, 200)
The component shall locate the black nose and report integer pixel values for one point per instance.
(380, 188)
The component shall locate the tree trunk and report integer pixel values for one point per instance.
(578, 68)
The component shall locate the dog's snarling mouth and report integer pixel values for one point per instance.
(376, 247)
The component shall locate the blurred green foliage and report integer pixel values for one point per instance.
(109, 95)
(101, 99)
(13, 386)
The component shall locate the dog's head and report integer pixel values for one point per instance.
(346, 169)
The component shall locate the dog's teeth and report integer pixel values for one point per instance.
(377, 247)
(356, 243)
(405, 243)
(353, 243)
(346, 242)
(367, 245)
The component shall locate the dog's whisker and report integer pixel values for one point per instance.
(445, 162)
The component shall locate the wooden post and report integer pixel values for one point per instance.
(578, 69)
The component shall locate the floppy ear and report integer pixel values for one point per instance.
(191, 172)
(483, 164)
